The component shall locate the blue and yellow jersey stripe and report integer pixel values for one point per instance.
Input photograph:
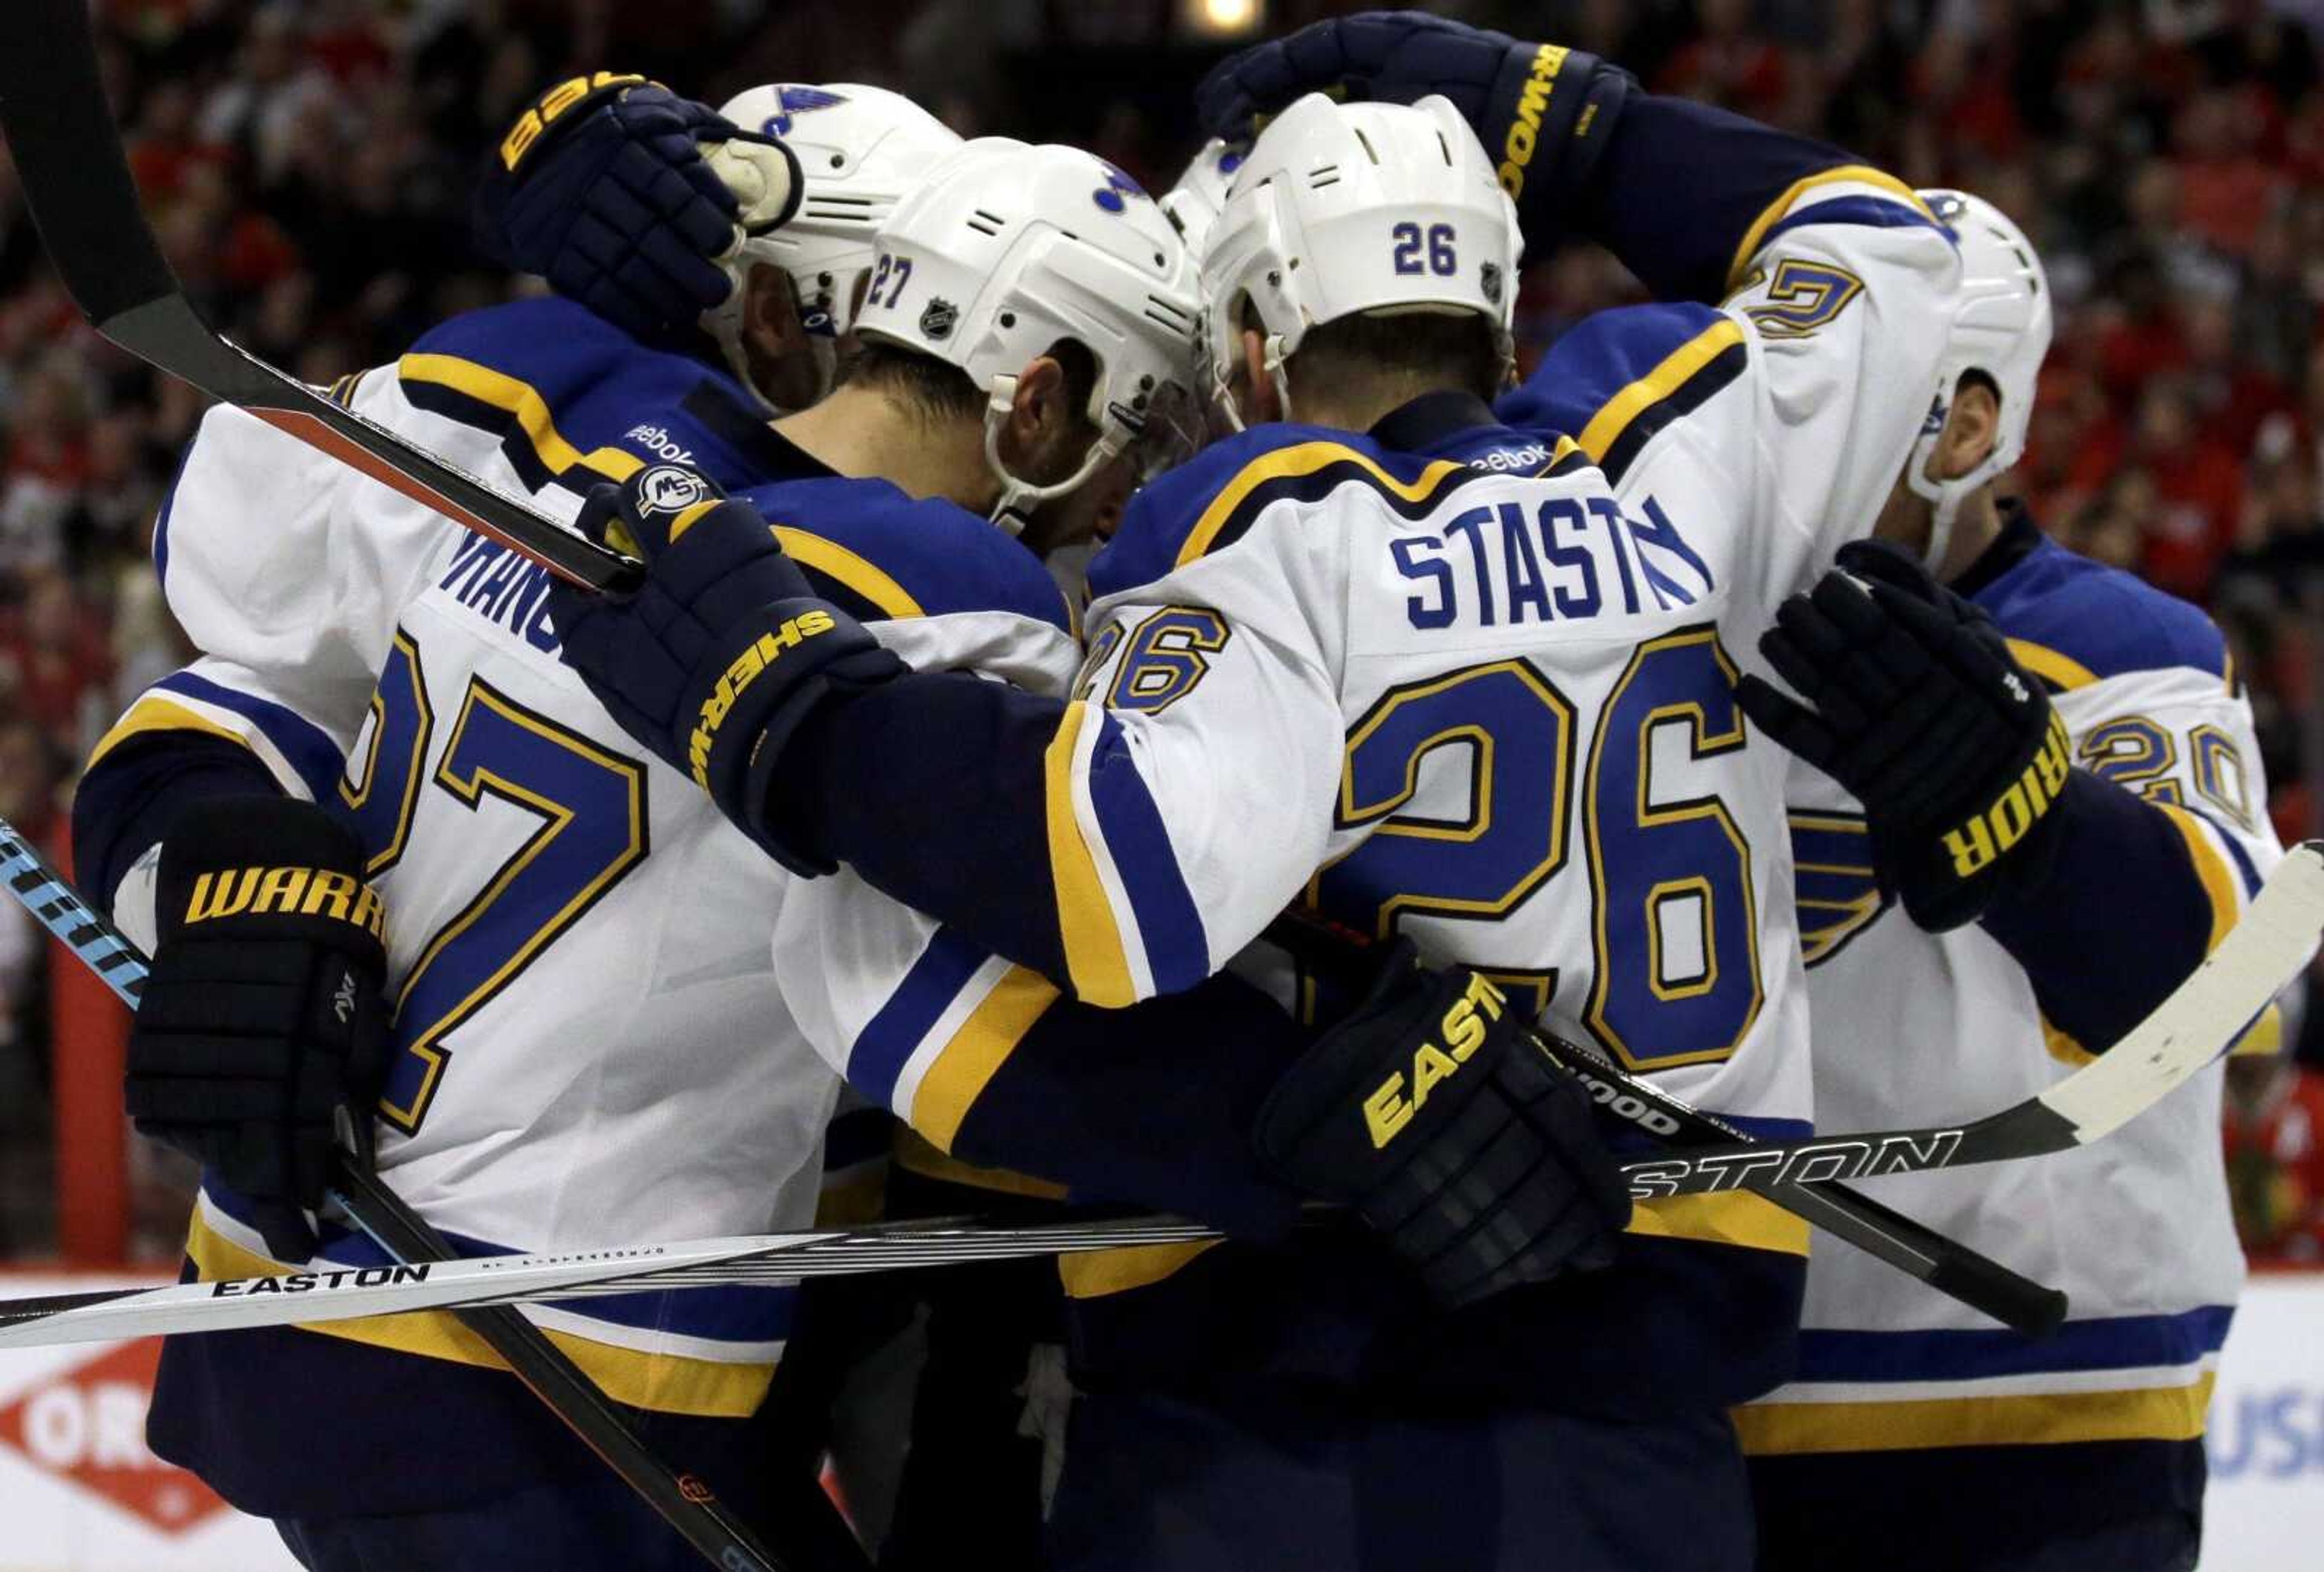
(298, 752)
(1623, 376)
(1910, 1390)
(709, 1353)
(1885, 202)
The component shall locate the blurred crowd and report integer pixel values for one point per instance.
(306, 165)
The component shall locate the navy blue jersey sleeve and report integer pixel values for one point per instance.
(1685, 192)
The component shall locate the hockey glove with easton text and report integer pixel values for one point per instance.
(1543, 112)
(605, 187)
(724, 649)
(1915, 704)
(262, 1031)
(1429, 1113)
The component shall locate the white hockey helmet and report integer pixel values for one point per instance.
(1342, 209)
(1195, 203)
(2001, 330)
(1007, 248)
(860, 150)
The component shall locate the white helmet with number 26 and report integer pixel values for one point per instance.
(1342, 209)
(1007, 248)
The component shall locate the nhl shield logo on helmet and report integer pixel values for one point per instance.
(938, 320)
(668, 489)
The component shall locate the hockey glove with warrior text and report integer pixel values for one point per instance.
(605, 187)
(1915, 704)
(1543, 112)
(723, 650)
(262, 1031)
(1428, 1111)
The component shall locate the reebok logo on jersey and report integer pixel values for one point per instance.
(1388, 1110)
(1524, 135)
(549, 107)
(286, 892)
(1987, 834)
(658, 441)
(745, 670)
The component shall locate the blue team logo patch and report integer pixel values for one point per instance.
(1119, 188)
(795, 101)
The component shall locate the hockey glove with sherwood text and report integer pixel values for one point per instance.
(1915, 704)
(724, 649)
(624, 197)
(1543, 112)
(1428, 1111)
(260, 1040)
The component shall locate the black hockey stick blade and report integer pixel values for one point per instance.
(77, 182)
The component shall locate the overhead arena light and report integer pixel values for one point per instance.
(1222, 18)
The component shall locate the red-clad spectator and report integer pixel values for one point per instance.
(2230, 395)
(2274, 1136)
(53, 654)
(2225, 188)
(2198, 485)
(1730, 64)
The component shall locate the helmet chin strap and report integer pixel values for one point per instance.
(1019, 497)
(1271, 361)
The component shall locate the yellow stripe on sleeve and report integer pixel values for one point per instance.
(859, 574)
(2063, 671)
(1858, 174)
(668, 1383)
(1738, 1218)
(1095, 960)
(151, 714)
(2171, 1413)
(2218, 880)
(2264, 1038)
(1304, 458)
(520, 401)
(982, 1045)
(915, 1153)
(1676, 369)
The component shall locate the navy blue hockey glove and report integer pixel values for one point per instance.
(1543, 112)
(724, 649)
(259, 1046)
(1428, 1111)
(603, 188)
(1914, 704)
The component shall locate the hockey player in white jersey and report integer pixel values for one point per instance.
(378, 725)
(1424, 662)
(2084, 1450)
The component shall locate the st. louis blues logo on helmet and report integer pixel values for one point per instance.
(796, 100)
(1114, 196)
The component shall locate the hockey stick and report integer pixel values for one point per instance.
(1945, 1264)
(682, 1500)
(2196, 1024)
(76, 182)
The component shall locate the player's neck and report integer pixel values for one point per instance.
(1353, 405)
(862, 432)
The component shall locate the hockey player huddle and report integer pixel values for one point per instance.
(1696, 697)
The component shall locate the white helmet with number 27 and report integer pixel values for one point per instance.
(2001, 330)
(1007, 248)
(1342, 209)
(860, 150)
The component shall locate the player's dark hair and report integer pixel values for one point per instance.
(1411, 353)
(938, 392)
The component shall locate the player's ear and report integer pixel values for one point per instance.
(1261, 403)
(770, 319)
(1971, 429)
(1037, 416)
